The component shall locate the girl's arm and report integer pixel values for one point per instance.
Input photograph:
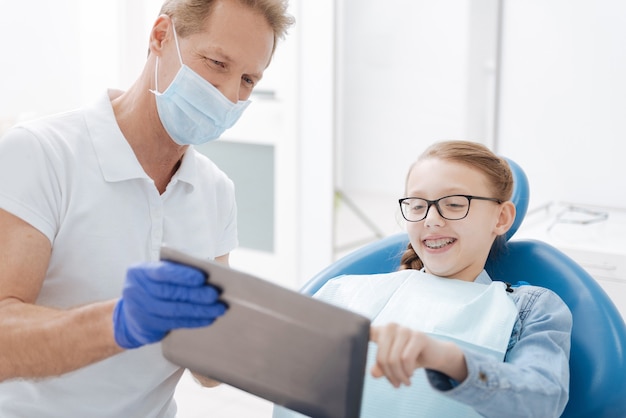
(532, 381)
(402, 350)
(534, 378)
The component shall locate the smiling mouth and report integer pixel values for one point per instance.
(435, 244)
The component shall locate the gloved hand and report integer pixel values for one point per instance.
(162, 296)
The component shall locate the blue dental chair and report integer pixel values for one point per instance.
(597, 357)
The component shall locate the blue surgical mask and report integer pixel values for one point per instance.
(191, 109)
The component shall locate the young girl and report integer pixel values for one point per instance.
(446, 340)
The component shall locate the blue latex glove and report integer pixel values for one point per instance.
(162, 296)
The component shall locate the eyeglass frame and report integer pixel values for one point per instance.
(436, 204)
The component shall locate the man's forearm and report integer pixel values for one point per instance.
(38, 342)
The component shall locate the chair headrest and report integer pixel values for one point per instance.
(520, 197)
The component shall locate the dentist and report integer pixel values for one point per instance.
(88, 197)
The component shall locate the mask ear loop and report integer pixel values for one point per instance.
(180, 57)
(156, 66)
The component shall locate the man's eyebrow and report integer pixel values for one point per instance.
(256, 76)
(216, 53)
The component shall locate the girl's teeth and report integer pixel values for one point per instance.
(438, 243)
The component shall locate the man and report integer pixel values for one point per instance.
(86, 194)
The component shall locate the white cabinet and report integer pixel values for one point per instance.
(591, 235)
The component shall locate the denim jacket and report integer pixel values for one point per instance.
(533, 381)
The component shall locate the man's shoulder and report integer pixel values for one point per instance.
(207, 167)
(50, 130)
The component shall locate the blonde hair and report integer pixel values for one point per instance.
(190, 15)
(475, 155)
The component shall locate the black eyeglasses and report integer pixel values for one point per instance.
(452, 208)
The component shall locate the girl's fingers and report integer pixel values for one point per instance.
(393, 360)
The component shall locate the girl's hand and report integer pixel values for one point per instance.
(401, 350)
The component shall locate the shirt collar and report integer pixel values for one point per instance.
(188, 171)
(116, 157)
(483, 278)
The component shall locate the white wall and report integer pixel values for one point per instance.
(563, 98)
(58, 55)
(315, 136)
(413, 72)
(409, 73)
(402, 84)
(40, 58)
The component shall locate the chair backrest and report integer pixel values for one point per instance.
(597, 357)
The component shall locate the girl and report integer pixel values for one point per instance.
(445, 339)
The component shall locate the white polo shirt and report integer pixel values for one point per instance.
(75, 178)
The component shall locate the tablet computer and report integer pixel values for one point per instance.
(275, 343)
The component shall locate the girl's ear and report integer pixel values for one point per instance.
(506, 218)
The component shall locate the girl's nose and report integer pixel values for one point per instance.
(433, 218)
